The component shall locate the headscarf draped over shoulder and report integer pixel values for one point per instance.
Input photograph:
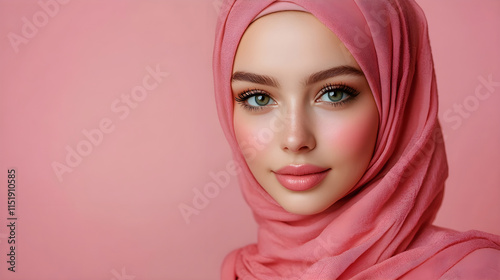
(382, 228)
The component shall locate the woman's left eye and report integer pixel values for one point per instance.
(337, 94)
(333, 96)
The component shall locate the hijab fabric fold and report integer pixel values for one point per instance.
(383, 228)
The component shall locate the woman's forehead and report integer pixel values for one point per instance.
(290, 41)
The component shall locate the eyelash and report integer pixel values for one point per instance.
(349, 91)
(244, 96)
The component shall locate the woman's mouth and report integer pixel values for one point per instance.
(301, 177)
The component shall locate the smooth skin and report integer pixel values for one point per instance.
(301, 98)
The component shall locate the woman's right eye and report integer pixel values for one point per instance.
(254, 99)
(259, 100)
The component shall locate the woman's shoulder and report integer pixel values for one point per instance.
(479, 264)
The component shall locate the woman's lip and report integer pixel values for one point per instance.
(303, 169)
(301, 177)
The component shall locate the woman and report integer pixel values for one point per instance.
(330, 108)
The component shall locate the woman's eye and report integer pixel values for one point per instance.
(337, 95)
(254, 99)
(334, 96)
(259, 100)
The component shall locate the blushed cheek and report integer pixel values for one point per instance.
(353, 137)
(254, 138)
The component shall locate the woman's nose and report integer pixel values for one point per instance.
(297, 135)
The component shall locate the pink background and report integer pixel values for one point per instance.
(116, 214)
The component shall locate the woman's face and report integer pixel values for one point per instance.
(304, 115)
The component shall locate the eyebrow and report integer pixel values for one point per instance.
(314, 78)
(333, 72)
(254, 78)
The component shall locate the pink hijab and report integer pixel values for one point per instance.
(382, 228)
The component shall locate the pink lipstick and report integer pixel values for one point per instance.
(301, 177)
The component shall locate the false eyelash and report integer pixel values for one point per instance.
(249, 93)
(351, 92)
(242, 98)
